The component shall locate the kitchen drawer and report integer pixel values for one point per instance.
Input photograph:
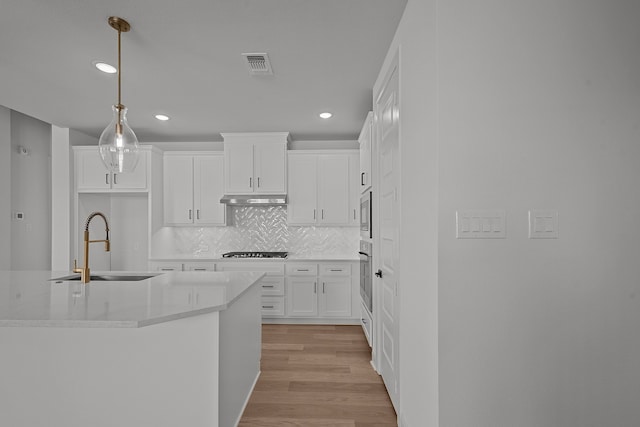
(272, 286)
(199, 266)
(270, 268)
(272, 306)
(302, 269)
(339, 269)
(165, 266)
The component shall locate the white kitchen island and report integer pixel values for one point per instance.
(177, 349)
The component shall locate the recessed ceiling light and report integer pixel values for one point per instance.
(325, 115)
(105, 68)
(162, 117)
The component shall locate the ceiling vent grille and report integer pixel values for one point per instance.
(258, 63)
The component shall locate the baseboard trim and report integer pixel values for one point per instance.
(246, 401)
(309, 321)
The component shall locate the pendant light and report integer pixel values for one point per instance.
(118, 144)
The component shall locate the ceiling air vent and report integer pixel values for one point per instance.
(258, 63)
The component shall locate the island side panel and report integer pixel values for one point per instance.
(240, 351)
(163, 375)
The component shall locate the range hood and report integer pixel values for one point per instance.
(255, 200)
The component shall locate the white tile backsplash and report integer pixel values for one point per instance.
(254, 229)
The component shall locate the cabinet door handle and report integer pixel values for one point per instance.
(362, 178)
(115, 179)
(323, 287)
(198, 213)
(258, 182)
(314, 214)
(167, 269)
(354, 214)
(322, 213)
(315, 287)
(250, 182)
(106, 178)
(190, 214)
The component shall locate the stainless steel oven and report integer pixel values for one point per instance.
(365, 216)
(366, 285)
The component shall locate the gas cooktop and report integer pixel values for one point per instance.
(255, 254)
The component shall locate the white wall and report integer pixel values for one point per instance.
(5, 188)
(539, 108)
(30, 193)
(535, 105)
(62, 175)
(416, 41)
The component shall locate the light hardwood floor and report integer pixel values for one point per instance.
(317, 376)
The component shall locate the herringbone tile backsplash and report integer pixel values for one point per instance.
(255, 229)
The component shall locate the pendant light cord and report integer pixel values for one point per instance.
(119, 106)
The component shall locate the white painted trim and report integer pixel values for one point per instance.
(246, 400)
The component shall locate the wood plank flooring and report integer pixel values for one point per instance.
(317, 376)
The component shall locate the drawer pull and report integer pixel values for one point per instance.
(268, 306)
(302, 269)
(199, 269)
(267, 286)
(336, 269)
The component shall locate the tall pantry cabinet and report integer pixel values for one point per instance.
(125, 199)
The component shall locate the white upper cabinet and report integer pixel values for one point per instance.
(333, 189)
(193, 188)
(366, 139)
(93, 176)
(303, 189)
(321, 188)
(255, 163)
(354, 190)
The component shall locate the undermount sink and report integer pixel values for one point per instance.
(109, 277)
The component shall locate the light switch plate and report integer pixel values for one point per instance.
(481, 224)
(543, 224)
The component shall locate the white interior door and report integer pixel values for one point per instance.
(387, 280)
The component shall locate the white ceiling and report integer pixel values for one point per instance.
(183, 58)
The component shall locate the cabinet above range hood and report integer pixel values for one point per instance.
(255, 200)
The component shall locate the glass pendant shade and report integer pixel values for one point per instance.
(118, 144)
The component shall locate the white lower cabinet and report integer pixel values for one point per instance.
(193, 296)
(272, 284)
(199, 266)
(319, 290)
(165, 266)
(302, 296)
(307, 291)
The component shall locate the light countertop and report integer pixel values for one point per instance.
(31, 298)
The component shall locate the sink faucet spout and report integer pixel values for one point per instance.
(85, 275)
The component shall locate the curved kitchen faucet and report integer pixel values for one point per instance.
(85, 275)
